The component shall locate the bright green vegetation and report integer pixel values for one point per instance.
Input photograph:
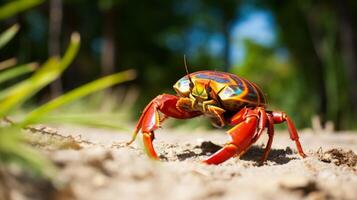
(13, 145)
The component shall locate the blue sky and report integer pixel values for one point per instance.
(257, 25)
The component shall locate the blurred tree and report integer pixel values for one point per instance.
(347, 23)
(275, 74)
(109, 21)
(312, 34)
(228, 12)
(54, 37)
(153, 36)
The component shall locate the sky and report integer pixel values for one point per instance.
(257, 25)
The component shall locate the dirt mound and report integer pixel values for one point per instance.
(339, 157)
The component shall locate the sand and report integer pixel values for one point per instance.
(104, 168)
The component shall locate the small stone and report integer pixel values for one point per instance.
(298, 183)
(316, 196)
(99, 180)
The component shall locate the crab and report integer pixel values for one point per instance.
(227, 100)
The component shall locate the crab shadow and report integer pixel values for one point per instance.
(278, 156)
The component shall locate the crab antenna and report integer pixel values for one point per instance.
(185, 62)
(188, 74)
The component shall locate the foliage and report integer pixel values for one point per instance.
(40, 113)
(13, 147)
(278, 79)
(7, 35)
(51, 70)
(14, 7)
(322, 47)
(17, 71)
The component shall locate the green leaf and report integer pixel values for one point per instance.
(13, 149)
(14, 7)
(7, 35)
(71, 51)
(17, 94)
(17, 71)
(51, 70)
(77, 93)
(7, 63)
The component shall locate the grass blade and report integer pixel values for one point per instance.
(82, 91)
(13, 149)
(13, 7)
(8, 63)
(71, 51)
(51, 70)
(7, 35)
(17, 71)
(17, 94)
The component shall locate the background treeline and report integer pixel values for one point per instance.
(310, 69)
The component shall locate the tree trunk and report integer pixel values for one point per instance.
(348, 49)
(227, 45)
(54, 43)
(319, 70)
(108, 48)
(227, 48)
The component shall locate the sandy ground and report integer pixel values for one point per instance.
(103, 168)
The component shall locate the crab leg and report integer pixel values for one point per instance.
(280, 117)
(270, 140)
(150, 119)
(243, 135)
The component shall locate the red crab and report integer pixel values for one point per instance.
(225, 99)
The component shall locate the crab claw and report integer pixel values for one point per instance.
(148, 138)
(150, 119)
